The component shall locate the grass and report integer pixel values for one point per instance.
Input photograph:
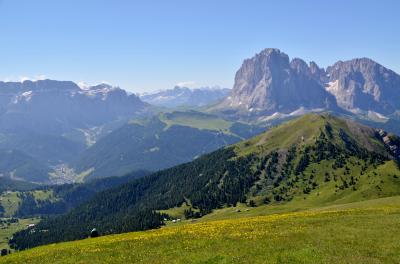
(176, 212)
(10, 202)
(6, 230)
(362, 232)
(43, 195)
(303, 131)
(196, 120)
(298, 131)
(356, 223)
(81, 176)
(324, 195)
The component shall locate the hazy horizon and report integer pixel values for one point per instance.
(143, 47)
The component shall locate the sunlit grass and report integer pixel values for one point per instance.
(6, 230)
(10, 202)
(363, 232)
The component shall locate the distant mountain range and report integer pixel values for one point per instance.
(270, 85)
(59, 131)
(58, 107)
(50, 122)
(183, 96)
(56, 131)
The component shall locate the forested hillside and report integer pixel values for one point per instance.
(58, 199)
(317, 157)
(160, 142)
(17, 165)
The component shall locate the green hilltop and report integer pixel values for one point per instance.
(309, 163)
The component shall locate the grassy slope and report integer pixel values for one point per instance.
(336, 226)
(304, 131)
(374, 184)
(6, 231)
(363, 232)
(150, 145)
(196, 120)
(42, 194)
(10, 202)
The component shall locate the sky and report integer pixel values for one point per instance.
(148, 45)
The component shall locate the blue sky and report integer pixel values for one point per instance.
(150, 45)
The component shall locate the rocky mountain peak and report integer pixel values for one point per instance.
(364, 85)
(270, 83)
(271, 52)
(49, 85)
(300, 66)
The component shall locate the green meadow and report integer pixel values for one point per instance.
(359, 232)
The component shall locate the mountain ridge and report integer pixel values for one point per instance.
(41, 118)
(159, 142)
(319, 158)
(181, 96)
(270, 83)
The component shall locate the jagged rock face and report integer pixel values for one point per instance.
(270, 83)
(317, 73)
(364, 84)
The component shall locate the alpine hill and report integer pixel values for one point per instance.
(312, 161)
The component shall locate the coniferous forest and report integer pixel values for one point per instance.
(222, 178)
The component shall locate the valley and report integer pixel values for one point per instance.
(309, 162)
(205, 132)
(314, 175)
(62, 174)
(28, 203)
(162, 141)
(296, 163)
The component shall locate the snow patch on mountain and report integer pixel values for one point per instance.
(25, 96)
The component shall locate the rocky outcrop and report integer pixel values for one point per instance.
(362, 84)
(270, 83)
(390, 141)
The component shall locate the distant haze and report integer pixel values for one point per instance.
(144, 46)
